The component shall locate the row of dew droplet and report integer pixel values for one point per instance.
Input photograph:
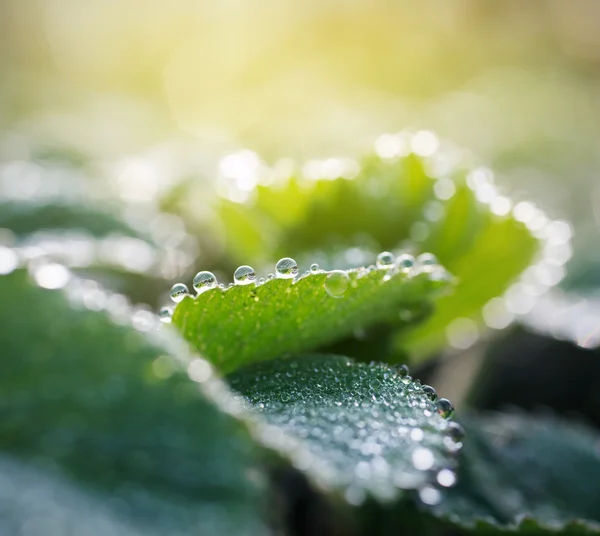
(441, 160)
(336, 282)
(422, 458)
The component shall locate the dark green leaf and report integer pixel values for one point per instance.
(116, 416)
(357, 428)
(525, 474)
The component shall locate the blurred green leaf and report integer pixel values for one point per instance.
(361, 429)
(249, 323)
(26, 218)
(40, 501)
(391, 204)
(524, 474)
(117, 417)
(501, 250)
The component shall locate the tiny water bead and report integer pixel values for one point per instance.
(429, 392)
(179, 291)
(405, 262)
(286, 268)
(337, 283)
(427, 261)
(385, 260)
(204, 281)
(244, 275)
(401, 370)
(314, 268)
(445, 408)
(166, 315)
(270, 277)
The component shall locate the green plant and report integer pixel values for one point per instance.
(294, 382)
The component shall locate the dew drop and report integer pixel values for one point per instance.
(427, 261)
(204, 281)
(445, 408)
(261, 281)
(385, 260)
(337, 283)
(222, 286)
(230, 285)
(405, 262)
(166, 315)
(455, 431)
(244, 275)
(270, 276)
(401, 370)
(314, 268)
(429, 392)
(178, 292)
(286, 268)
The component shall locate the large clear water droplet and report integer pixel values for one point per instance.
(405, 262)
(286, 268)
(337, 283)
(166, 315)
(385, 260)
(178, 292)
(427, 261)
(244, 275)
(445, 408)
(204, 281)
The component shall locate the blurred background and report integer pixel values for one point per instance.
(129, 102)
(516, 82)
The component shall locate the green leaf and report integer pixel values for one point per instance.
(501, 250)
(248, 323)
(116, 416)
(524, 474)
(398, 204)
(356, 428)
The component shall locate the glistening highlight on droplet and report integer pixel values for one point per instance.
(445, 408)
(286, 268)
(385, 260)
(405, 262)
(244, 275)
(204, 281)
(178, 292)
(166, 315)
